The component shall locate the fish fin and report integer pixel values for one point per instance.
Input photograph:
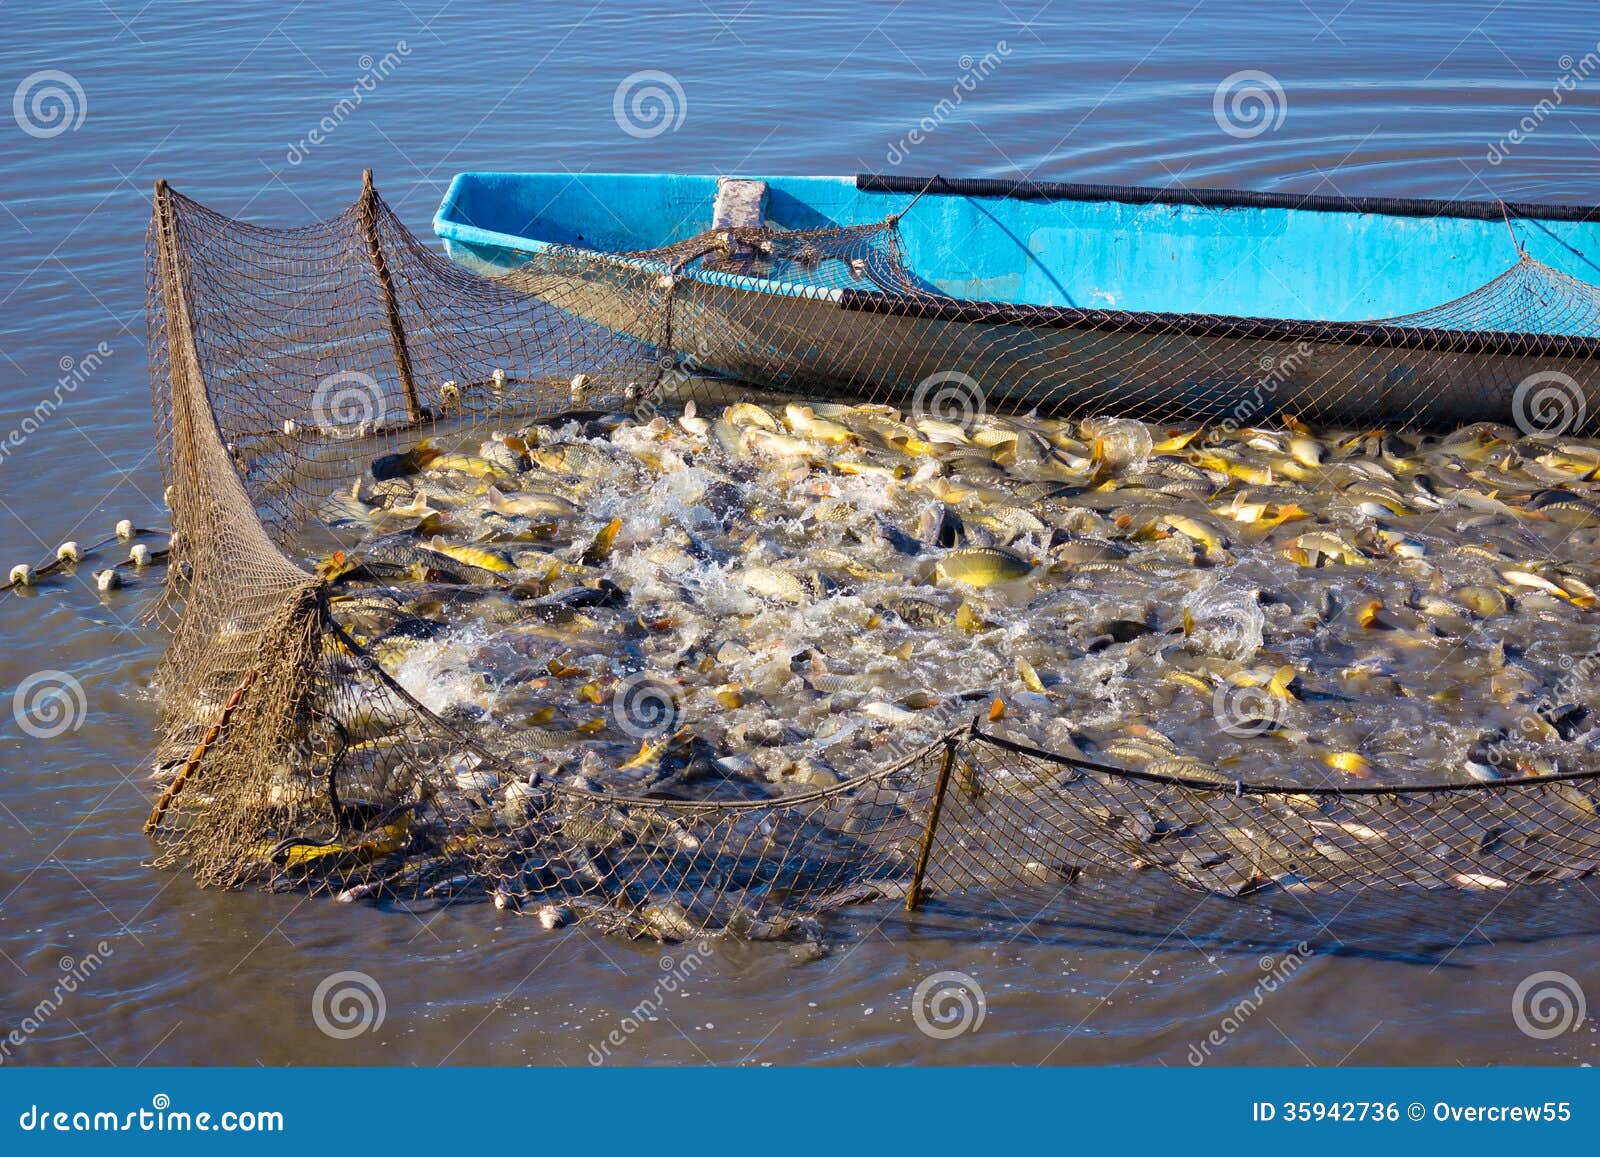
(638, 760)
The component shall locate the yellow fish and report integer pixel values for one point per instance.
(1254, 475)
(650, 752)
(467, 464)
(1525, 578)
(803, 420)
(475, 556)
(1175, 442)
(1349, 762)
(599, 548)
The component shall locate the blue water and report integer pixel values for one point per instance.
(1403, 98)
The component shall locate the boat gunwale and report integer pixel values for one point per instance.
(1022, 189)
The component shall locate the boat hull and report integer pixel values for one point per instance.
(1062, 363)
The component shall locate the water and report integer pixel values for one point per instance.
(1402, 98)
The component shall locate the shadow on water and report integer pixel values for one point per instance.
(1411, 926)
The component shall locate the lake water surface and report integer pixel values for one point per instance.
(246, 108)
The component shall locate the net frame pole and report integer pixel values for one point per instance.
(184, 358)
(367, 212)
(925, 853)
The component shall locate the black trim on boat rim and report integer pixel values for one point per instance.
(1025, 190)
(1350, 333)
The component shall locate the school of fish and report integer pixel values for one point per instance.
(755, 599)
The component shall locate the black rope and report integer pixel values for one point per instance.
(1337, 333)
(1240, 788)
(1028, 190)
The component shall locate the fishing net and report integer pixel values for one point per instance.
(284, 362)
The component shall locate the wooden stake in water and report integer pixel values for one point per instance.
(914, 893)
(367, 209)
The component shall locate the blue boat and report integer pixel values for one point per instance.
(1178, 304)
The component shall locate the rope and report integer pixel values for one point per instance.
(893, 219)
(199, 752)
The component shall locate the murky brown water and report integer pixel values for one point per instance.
(1395, 98)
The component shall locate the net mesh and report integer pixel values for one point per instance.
(284, 361)
(855, 321)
